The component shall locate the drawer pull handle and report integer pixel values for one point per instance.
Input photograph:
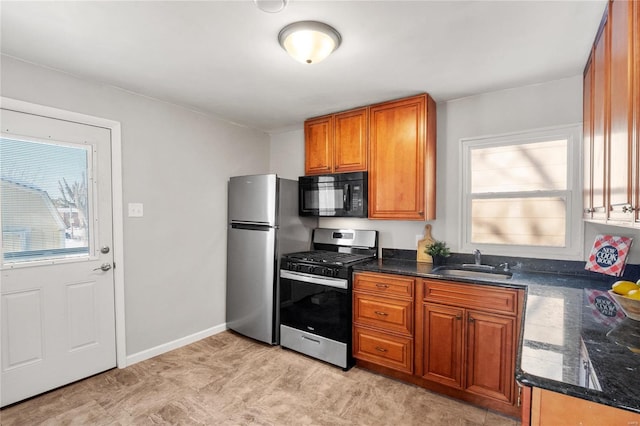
(382, 285)
(310, 339)
(379, 349)
(384, 314)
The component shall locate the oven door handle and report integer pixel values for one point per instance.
(315, 279)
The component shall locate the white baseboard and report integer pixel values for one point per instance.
(175, 344)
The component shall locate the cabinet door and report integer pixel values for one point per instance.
(636, 103)
(490, 355)
(600, 117)
(621, 106)
(587, 139)
(350, 143)
(318, 146)
(442, 344)
(551, 408)
(400, 142)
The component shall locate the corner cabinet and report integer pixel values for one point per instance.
(464, 336)
(336, 143)
(402, 159)
(612, 118)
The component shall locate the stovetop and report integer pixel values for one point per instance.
(329, 257)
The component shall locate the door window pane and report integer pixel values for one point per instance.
(45, 200)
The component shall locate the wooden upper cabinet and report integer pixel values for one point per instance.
(621, 110)
(587, 139)
(402, 159)
(351, 142)
(636, 107)
(599, 118)
(612, 118)
(318, 145)
(336, 143)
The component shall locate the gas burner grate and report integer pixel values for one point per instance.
(329, 257)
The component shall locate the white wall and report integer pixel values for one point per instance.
(287, 153)
(542, 105)
(177, 163)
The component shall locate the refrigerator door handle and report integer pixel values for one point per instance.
(252, 226)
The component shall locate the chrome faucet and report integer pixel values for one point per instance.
(477, 256)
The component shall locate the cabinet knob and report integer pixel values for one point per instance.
(458, 317)
(383, 314)
(471, 319)
(379, 349)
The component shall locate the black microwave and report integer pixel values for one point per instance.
(335, 195)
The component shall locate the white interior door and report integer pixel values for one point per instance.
(57, 288)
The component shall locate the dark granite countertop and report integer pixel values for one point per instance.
(569, 322)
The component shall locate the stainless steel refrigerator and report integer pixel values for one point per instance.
(263, 225)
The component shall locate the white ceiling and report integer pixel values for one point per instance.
(223, 57)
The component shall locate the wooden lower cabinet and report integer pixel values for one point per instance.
(463, 336)
(470, 350)
(490, 359)
(442, 344)
(386, 349)
(551, 408)
(383, 320)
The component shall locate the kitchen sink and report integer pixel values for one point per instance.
(470, 272)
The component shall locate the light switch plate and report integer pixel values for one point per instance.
(135, 210)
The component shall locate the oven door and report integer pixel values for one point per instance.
(316, 304)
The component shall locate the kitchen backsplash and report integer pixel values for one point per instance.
(565, 267)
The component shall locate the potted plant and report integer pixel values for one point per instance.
(438, 251)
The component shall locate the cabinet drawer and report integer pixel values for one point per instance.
(383, 349)
(486, 298)
(384, 285)
(389, 314)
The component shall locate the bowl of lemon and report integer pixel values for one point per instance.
(627, 294)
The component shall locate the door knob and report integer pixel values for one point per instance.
(104, 267)
(105, 249)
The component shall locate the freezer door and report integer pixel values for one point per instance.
(251, 282)
(253, 199)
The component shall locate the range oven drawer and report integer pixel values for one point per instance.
(313, 345)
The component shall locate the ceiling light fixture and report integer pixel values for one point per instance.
(309, 42)
(271, 6)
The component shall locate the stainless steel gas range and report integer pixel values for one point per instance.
(316, 293)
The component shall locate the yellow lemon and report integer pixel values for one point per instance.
(624, 287)
(634, 294)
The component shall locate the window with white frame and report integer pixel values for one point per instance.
(521, 193)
